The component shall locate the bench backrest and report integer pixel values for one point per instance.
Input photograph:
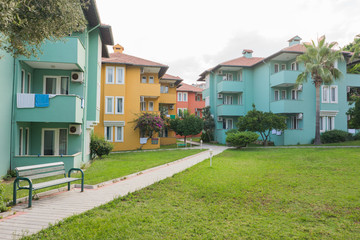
(41, 170)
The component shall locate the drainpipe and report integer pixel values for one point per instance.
(12, 129)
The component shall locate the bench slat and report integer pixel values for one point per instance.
(47, 174)
(41, 170)
(51, 183)
(39, 166)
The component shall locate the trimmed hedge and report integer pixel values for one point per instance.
(335, 136)
(241, 139)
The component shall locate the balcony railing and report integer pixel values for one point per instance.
(284, 78)
(62, 108)
(230, 87)
(230, 110)
(287, 106)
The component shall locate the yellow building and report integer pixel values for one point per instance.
(130, 86)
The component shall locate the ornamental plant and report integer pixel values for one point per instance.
(149, 123)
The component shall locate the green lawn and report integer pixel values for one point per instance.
(248, 194)
(117, 165)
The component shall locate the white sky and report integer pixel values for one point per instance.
(191, 36)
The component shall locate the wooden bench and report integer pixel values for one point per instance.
(28, 173)
(181, 145)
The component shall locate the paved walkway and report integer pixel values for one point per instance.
(53, 208)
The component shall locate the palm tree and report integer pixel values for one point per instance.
(319, 62)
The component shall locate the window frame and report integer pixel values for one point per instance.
(283, 95)
(143, 77)
(26, 138)
(179, 97)
(106, 104)
(57, 84)
(325, 94)
(143, 106)
(276, 93)
(294, 66)
(122, 104)
(335, 93)
(153, 80)
(185, 97)
(111, 133)
(29, 82)
(21, 141)
(22, 81)
(106, 75)
(56, 140)
(122, 134)
(276, 68)
(152, 107)
(283, 67)
(294, 94)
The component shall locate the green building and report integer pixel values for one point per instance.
(269, 83)
(51, 103)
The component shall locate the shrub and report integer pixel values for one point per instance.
(241, 139)
(3, 199)
(234, 130)
(357, 136)
(10, 174)
(99, 147)
(335, 136)
(205, 137)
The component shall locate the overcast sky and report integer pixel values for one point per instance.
(191, 36)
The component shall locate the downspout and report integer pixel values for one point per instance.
(12, 129)
(84, 125)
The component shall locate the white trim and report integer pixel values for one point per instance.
(122, 134)
(294, 94)
(116, 105)
(123, 75)
(57, 84)
(185, 97)
(56, 140)
(331, 113)
(142, 77)
(278, 68)
(106, 75)
(21, 141)
(26, 149)
(152, 107)
(22, 81)
(111, 133)
(143, 106)
(106, 104)
(294, 66)
(29, 82)
(331, 95)
(114, 123)
(179, 97)
(153, 80)
(325, 95)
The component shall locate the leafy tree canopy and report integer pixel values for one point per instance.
(354, 113)
(261, 122)
(188, 124)
(209, 125)
(25, 24)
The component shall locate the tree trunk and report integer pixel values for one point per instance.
(185, 141)
(317, 140)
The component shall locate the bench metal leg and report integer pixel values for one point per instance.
(14, 194)
(30, 198)
(68, 186)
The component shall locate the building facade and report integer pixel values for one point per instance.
(50, 100)
(129, 87)
(234, 86)
(189, 98)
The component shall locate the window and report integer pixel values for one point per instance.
(198, 97)
(56, 85)
(181, 111)
(294, 94)
(228, 77)
(164, 89)
(119, 134)
(143, 106)
(119, 105)
(240, 99)
(151, 106)
(228, 100)
(333, 94)
(109, 105)
(185, 97)
(283, 94)
(294, 66)
(28, 83)
(227, 123)
(120, 75)
(22, 82)
(240, 76)
(109, 134)
(143, 79)
(294, 122)
(325, 94)
(322, 124)
(276, 94)
(151, 79)
(109, 75)
(21, 141)
(26, 138)
(283, 67)
(54, 141)
(179, 97)
(276, 68)
(330, 123)
(164, 132)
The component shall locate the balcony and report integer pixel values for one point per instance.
(62, 108)
(230, 87)
(284, 78)
(287, 106)
(149, 90)
(167, 98)
(230, 110)
(68, 54)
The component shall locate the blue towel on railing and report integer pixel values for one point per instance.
(42, 100)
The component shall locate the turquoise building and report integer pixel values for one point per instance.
(269, 83)
(51, 103)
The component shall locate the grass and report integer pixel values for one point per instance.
(347, 143)
(248, 194)
(115, 166)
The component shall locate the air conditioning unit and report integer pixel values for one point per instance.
(142, 99)
(299, 116)
(77, 77)
(300, 87)
(220, 95)
(75, 129)
(172, 84)
(171, 107)
(219, 119)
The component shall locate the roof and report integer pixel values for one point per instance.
(297, 38)
(122, 58)
(188, 88)
(92, 16)
(177, 79)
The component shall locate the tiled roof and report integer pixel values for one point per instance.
(295, 48)
(171, 77)
(188, 88)
(130, 60)
(242, 62)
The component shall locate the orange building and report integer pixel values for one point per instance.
(190, 98)
(129, 87)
